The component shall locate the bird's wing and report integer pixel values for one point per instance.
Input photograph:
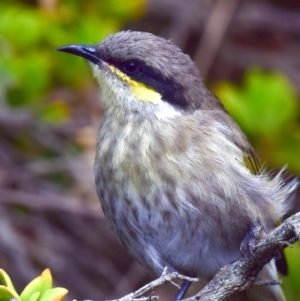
(252, 163)
(236, 136)
(250, 158)
(213, 104)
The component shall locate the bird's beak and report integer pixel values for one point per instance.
(86, 51)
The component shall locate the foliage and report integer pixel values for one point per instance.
(50, 89)
(39, 289)
(291, 287)
(267, 110)
(29, 34)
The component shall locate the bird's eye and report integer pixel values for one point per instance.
(131, 66)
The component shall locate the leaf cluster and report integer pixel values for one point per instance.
(39, 289)
(29, 34)
(267, 109)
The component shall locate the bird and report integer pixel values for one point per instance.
(178, 180)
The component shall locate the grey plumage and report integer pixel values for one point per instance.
(173, 174)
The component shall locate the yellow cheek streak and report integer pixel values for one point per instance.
(139, 90)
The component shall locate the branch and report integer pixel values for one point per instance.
(241, 274)
(238, 276)
(165, 277)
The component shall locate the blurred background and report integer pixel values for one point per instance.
(248, 54)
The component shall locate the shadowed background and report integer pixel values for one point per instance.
(50, 216)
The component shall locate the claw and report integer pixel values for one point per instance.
(249, 242)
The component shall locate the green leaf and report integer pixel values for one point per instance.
(54, 294)
(265, 105)
(287, 151)
(34, 297)
(40, 284)
(20, 25)
(5, 279)
(291, 283)
(7, 293)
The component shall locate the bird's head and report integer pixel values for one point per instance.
(140, 72)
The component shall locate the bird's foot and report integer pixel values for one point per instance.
(249, 242)
(182, 291)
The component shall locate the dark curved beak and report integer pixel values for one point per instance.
(86, 51)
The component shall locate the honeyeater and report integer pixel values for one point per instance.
(176, 177)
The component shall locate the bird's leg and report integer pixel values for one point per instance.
(183, 289)
(249, 242)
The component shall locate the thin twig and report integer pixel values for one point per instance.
(213, 34)
(138, 295)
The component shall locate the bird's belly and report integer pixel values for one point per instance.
(161, 232)
(166, 211)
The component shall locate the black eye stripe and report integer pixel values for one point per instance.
(171, 91)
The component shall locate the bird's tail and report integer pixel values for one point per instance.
(264, 293)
